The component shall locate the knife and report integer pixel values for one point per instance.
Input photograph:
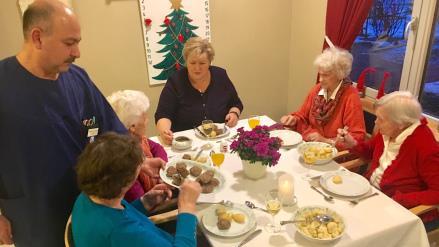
(250, 237)
(201, 132)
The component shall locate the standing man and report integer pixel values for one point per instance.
(49, 111)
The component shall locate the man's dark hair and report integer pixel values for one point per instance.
(108, 164)
(38, 13)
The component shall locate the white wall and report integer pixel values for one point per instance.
(267, 47)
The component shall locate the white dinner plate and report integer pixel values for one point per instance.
(219, 125)
(288, 137)
(352, 184)
(189, 164)
(210, 219)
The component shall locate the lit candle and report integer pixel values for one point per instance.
(286, 189)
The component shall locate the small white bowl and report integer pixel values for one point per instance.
(181, 142)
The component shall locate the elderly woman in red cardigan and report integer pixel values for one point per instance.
(331, 104)
(404, 154)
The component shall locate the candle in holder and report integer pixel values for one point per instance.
(286, 189)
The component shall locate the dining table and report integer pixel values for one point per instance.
(376, 221)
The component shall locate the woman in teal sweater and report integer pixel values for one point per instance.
(106, 170)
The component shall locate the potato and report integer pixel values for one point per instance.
(238, 218)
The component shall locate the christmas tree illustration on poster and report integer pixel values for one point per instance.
(166, 26)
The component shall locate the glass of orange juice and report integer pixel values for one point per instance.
(253, 121)
(217, 158)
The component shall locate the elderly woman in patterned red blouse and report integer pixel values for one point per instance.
(331, 104)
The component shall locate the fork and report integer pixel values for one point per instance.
(229, 138)
(356, 201)
(326, 197)
(226, 203)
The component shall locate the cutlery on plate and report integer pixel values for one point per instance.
(322, 218)
(250, 237)
(356, 201)
(326, 197)
(196, 129)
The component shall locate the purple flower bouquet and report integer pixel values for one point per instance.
(257, 145)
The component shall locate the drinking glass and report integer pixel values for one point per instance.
(253, 121)
(217, 158)
(207, 126)
(273, 205)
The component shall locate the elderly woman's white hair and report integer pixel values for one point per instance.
(129, 105)
(401, 107)
(199, 46)
(335, 60)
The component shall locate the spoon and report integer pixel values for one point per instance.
(253, 206)
(206, 146)
(344, 131)
(322, 218)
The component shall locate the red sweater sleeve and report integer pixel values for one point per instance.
(365, 149)
(428, 169)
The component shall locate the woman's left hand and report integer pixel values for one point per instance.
(231, 120)
(152, 166)
(315, 137)
(156, 195)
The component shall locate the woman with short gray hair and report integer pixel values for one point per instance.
(131, 107)
(404, 154)
(331, 104)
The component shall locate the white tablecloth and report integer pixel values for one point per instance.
(377, 221)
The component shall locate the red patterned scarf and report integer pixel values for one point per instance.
(323, 109)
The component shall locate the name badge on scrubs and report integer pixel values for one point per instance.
(91, 127)
(92, 132)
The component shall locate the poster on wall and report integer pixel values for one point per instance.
(24, 3)
(166, 26)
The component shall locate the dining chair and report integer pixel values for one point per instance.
(68, 234)
(164, 212)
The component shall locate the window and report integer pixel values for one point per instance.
(401, 37)
(430, 93)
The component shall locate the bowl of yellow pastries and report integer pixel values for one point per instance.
(316, 153)
(310, 228)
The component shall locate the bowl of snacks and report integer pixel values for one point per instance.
(313, 229)
(181, 142)
(317, 153)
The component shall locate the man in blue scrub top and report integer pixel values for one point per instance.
(49, 111)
